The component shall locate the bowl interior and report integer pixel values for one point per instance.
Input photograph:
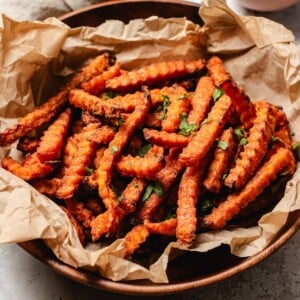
(207, 268)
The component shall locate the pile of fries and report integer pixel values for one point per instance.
(169, 149)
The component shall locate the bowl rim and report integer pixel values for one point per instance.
(36, 248)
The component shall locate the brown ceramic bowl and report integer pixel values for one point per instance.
(190, 271)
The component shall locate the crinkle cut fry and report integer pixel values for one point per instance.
(208, 132)
(134, 238)
(44, 113)
(30, 169)
(142, 167)
(51, 143)
(139, 233)
(179, 104)
(189, 191)
(80, 212)
(282, 160)
(165, 139)
(154, 73)
(28, 144)
(201, 100)
(148, 209)
(96, 85)
(240, 100)
(221, 162)
(258, 140)
(114, 151)
(128, 202)
(93, 104)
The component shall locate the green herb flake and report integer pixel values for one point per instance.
(274, 139)
(108, 95)
(171, 213)
(224, 176)
(184, 127)
(120, 121)
(217, 94)
(89, 171)
(114, 149)
(243, 141)
(222, 145)
(239, 132)
(296, 149)
(166, 103)
(152, 188)
(206, 206)
(142, 151)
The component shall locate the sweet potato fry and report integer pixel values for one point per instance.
(28, 144)
(154, 73)
(96, 85)
(240, 100)
(135, 238)
(201, 100)
(190, 187)
(282, 160)
(55, 104)
(114, 150)
(165, 139)
(52, 141)
(80, 212)
(166, 227)
(208, 132)
(221, 161)
(178, 105)
(142, 167)
(30, 169)
(259, 138)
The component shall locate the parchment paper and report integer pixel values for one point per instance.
(260, 55)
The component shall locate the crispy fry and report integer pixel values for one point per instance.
(31, 168)
(96, 85)
(52, 141)
(88, 118)
(166, 139)
(189, 191)
(208, 132)
(135, 238)
(148, 208)
(201, 100)
(114, 150)
(142, 167)
(94, 205)
(240, 100)
(54, 105)
(47, 187)
(259, 137)
(179, 104)
(166, 227)
(80, 212)
(153, 74)
(28, 144)
(280, 161)
(221, 162)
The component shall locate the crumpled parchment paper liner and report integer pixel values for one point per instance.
(259, 53)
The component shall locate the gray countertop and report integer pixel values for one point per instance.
(23, 277)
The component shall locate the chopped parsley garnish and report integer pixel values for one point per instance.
(89, 171)
(120, 121)
(184, 127)
(108, 95)
(152, 188)
(274, 139)
(205, 206)
(217, 94)
(243, 141)
(144, 150)
(166, 103)
(222, 145)
(171, 213)
(114, 149)
(239, 132)
(296, 149)
(224, 176)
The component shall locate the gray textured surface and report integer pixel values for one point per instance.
(23, 277)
